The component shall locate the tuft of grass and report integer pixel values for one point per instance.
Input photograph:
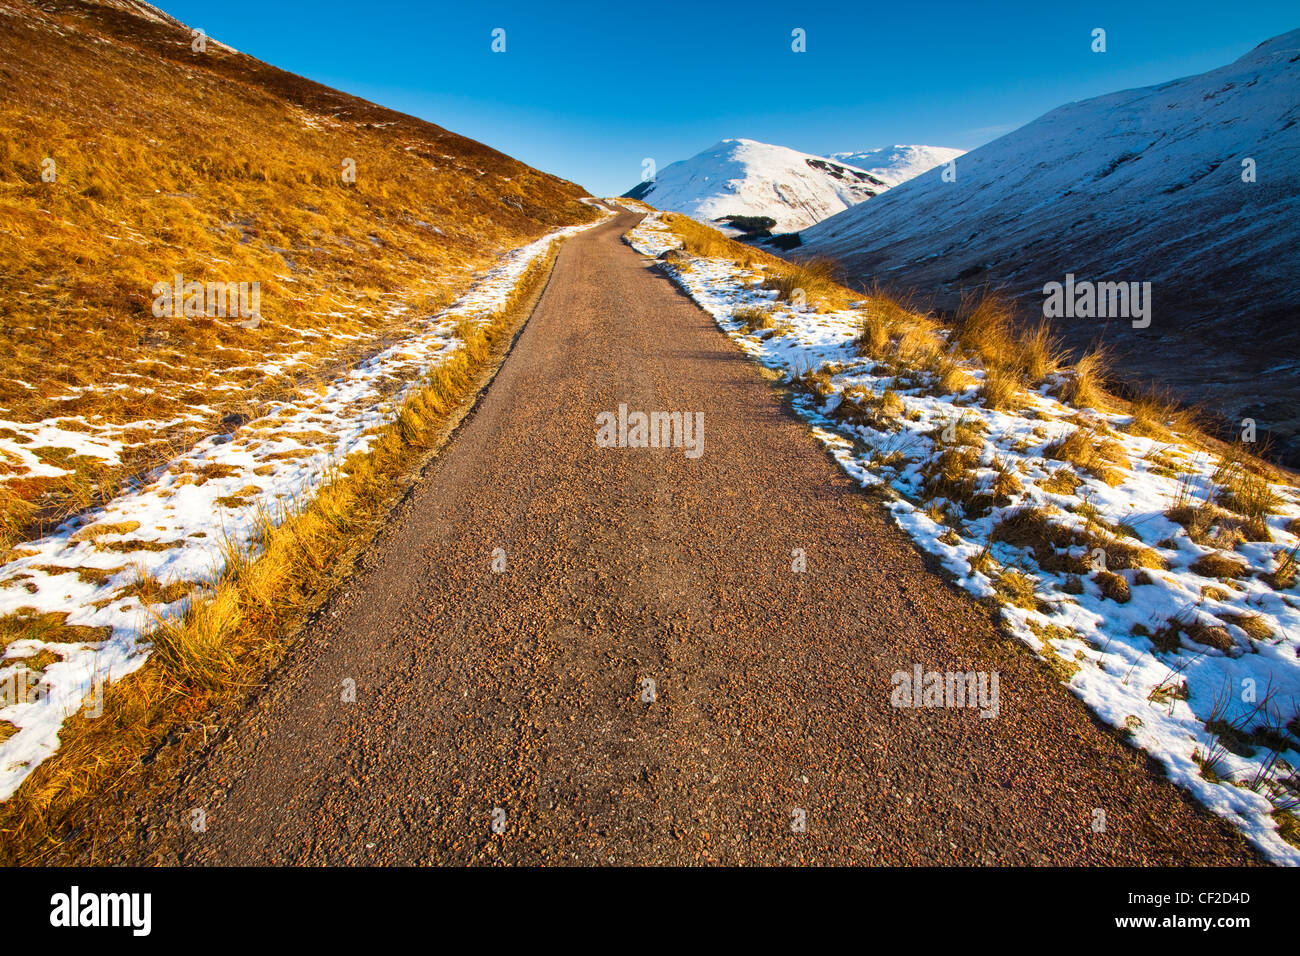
(1210, 525)
(1255, 625)
(1169, 637)
(952, 378)
(1001, 390)
(953, 474)
(1243, 490)
(1088, 452)
(817, 382)
(753, 317)
(918, 347)
(910, 342)
(1006, 483)
(1131, 555)
(814, 278)
(1155, 414)
(1017, 589)
(149, 591)
(1084, 385)
(1040, 353)
(1287, 571)
(1288, 826)
(1218, 565)
(986, 328)
(1063, 481)
(48, 627)
(874, 338)
(95, 531)
(1113, 586)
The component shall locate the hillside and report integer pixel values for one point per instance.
(1142, 185)
(164, 161)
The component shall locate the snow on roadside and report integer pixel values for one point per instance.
(1162, 698)
(175, 526)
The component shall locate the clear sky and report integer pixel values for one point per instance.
(586, 90)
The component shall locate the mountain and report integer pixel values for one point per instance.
(898, 164)
(741, 177)
(1145, 185)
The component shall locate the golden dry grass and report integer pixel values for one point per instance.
(219, 168)
(1017, 588)
(701, 240)
(811, 283)
(987, 330)
(1002, 388)
(1219, 565)
(987, 327)
(1091, 453)
(904, 340)
(1245, 490)
(1157, 415)
(754, 317)
(1085, 382)
(1041, 353)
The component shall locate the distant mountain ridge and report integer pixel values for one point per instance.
(895, 165)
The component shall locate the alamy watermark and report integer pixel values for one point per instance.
(626, 429)
(24, 686)
(1085, 299)
(74, 908)
(919, 688)
(180, 299)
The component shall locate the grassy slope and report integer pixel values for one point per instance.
(221, 168)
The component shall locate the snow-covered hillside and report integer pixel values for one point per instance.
(1146, 185)
(741, 177)
(898, 164)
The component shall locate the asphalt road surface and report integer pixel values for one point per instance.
(506, 716)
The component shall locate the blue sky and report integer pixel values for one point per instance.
(587, 90)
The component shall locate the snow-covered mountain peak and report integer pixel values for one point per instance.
(744, 177)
